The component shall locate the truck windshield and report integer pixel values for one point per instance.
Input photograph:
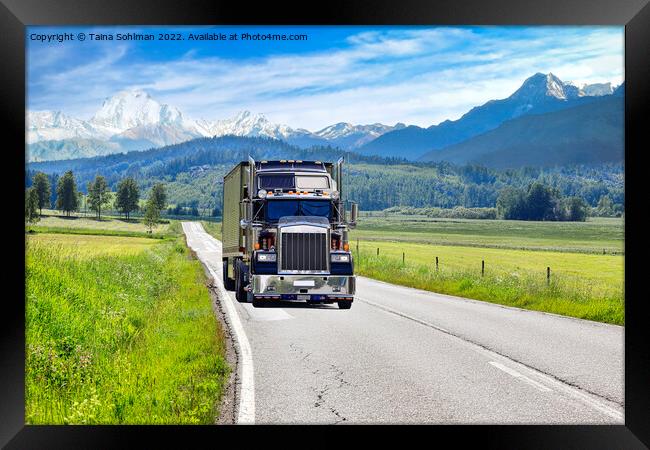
(275, 209)
(276, 182)
(291, 181)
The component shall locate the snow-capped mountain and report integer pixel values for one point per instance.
(541, 86)
(133, 120)
(351, 136)
(598, 89)
(130, 120)
(134, 108)
(54, 125)
(245, 123)
(538, 94)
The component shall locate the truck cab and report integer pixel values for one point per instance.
(285, 233)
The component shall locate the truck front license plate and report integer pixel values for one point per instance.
(303, 297)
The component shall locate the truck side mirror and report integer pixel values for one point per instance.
(354, 213)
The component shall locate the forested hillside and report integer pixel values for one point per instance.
(193, 172)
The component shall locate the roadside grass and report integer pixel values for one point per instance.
(119, 331)
(603, 273)
(565, 295)
(212, 228)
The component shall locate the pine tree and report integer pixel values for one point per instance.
(41, 183)
(98, 195)
(31, 206)
(159, 196)
(128, 196)
(66, 194)
(151, 214)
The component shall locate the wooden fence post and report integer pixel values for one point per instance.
(403, 257)
(357, 247)
(548, 276)
(482, 267)
(377, 251)
(436, 263)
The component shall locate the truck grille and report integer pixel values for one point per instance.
(304, 252)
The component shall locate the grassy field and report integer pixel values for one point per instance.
(91, 246)
(119, 330)
(592, 236)
(52, 222)
(585, 281)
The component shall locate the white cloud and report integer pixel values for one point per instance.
(418, 76)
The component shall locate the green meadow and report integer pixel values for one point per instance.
(119, 330)
(51, 222)
(585, 260)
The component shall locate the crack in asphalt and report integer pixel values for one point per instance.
(334, 372)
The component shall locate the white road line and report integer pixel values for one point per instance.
(246, 414)
(614, 411)
(523, 378)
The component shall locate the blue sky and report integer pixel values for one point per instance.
(415, 75)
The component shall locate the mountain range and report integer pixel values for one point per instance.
(584, 134)
(544, 122)
(132, 120)
(541, 93)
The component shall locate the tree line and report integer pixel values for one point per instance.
(193, 171)
(126, 198)
(540, 202)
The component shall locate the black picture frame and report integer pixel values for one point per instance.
(633, 14)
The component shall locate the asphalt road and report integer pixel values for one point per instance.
(402, 355)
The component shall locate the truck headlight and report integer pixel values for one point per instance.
(261, 193)
(340, 257)
(267, 257)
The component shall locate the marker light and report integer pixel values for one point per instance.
(346, 247)
(257, 246)
(335, 195)
(261, 193)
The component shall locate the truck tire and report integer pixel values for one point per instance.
(228, 283)
(241, 277)
(258, 303)
(345, 305)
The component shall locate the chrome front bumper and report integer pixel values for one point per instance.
(302, 284)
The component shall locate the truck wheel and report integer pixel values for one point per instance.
(241, 277)
(258, 303)
(345, 305)
(228, 283)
